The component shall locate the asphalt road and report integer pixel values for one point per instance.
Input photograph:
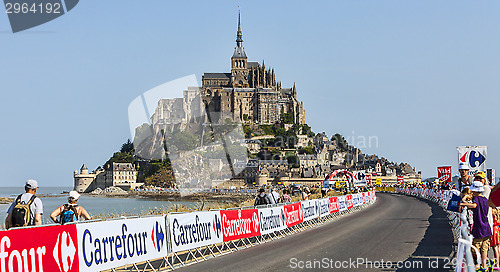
(396, 228)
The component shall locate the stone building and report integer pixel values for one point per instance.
(250, 92)
(123, 175)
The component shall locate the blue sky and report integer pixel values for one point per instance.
(421, 76)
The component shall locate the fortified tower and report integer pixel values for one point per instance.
(84, 180)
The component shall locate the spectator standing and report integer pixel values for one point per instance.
(274, 196)
(481, 230)
(31, 215)
(464, 179)
(306, 194)
(70, 212)
(481, 176)
(324, 190)
(262, 198)
(285, 197)
(495, 238)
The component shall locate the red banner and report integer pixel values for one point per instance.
(444, 173)
(334, 204)
(51, 248)
(364, 197)
(368, 178)
(400, 180)
(293, 214)
(237, 224)
(349, 203)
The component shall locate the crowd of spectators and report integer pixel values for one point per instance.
(477, 201)
(271, 195)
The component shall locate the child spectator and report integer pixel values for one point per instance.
(467, 198)
(481, 230)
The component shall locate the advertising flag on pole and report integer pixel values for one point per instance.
(474, 157)
(444, 173)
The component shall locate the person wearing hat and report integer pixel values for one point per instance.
(481, 176)
(481, 230)
(70, 212)
(464, 179)
(35, 207)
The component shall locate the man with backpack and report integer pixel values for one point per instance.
(70, 212)
(27, 209)
(262, 198)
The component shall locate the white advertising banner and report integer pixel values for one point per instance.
(474, 157)
(195, 229)
(356, 201)
(359, 178)
(324, 206)
(109, 244)
(309, 209)
(342, 203)
(271, 220)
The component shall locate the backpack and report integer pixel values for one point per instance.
(21, 213)
(68, 214)
(262, 200)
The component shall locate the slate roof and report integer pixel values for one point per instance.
(217, 75)
(253, 64)
(239, 52)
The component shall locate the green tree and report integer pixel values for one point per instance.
(120, 157)
(341, 141)
(286, 118)
(292, 160)
(127, 147)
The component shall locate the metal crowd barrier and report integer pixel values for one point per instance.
(180, 259)
(62, 245)
(459, 226)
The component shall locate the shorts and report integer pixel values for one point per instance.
(482, 244)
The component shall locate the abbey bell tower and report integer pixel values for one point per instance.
(239, 70)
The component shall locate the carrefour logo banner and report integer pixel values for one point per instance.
(334, 204)
(293, 214)
(110, 244)
(323, 206)
(359, 178)
(51, 248)
(349, 201)
(272, 219)
(237, 224)
(342, 203)
(355, 200)
(196, 229)
(309, 209)
(474, 157)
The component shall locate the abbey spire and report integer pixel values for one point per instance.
(239, 70)
(239, 35)
(239, 52)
